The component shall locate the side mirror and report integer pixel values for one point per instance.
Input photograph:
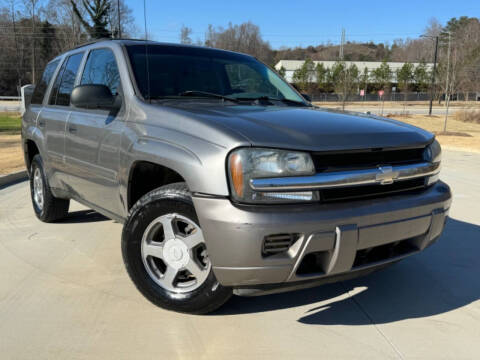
(307, 97)
(93, 96)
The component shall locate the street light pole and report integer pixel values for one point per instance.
(432, 88)
(447, 85)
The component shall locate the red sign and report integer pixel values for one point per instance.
(380, 93)
(362, 92)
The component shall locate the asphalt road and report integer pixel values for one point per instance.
(64, 294)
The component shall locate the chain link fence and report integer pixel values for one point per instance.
(394, 96)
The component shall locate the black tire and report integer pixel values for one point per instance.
(173, 198)
(53, 208)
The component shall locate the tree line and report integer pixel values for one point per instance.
(32, 32)
(344, 79)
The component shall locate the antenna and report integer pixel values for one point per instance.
(147, 70)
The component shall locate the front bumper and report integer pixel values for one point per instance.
(336, 234)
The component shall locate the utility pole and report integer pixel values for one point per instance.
(344, 69)
(432, 88)
(33, 3)
(447, 85)
(119, 23)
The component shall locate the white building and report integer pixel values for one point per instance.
(291, 65)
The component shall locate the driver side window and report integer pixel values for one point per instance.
(101, 68)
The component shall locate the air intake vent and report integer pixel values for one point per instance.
(278, 243)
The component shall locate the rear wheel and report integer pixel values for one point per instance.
(165, 253)
(47, 207)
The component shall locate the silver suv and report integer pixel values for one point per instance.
(227, 180)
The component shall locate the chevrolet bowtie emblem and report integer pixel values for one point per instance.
(386, 175)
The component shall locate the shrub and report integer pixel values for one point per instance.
(468, 115)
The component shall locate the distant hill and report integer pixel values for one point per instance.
(352, 52)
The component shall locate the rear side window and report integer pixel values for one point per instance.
(65, 80)
(41, 88)
(101, 68)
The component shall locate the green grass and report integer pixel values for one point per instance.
(10, 123)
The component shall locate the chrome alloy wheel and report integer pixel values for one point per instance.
(174, 253)
(38, 188)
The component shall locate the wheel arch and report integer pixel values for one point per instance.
(145, 176)
(30, 150)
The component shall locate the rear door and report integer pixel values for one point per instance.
(35, 107)
(54, 115)
(93, 137)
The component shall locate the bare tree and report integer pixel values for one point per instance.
(68, 27)
(98, 11)
(31, 7)
(244, 38)
(185, 35)
(18, 61)
(128, 28)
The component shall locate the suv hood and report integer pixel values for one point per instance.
(311, 128)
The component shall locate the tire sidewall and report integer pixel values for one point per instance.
(37, 163)
(157, 205)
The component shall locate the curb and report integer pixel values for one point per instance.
(12, 178)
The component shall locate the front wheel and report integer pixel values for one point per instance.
(165, 253)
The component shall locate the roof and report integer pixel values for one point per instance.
(150, 42)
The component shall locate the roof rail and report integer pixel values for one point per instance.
(105, 39)
(90, 42)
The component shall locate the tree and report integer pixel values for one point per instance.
(405, 77)
(383, 75)
(17, 59)
(98, 11)
(363, 79)
(344, 79)
(282, 71)
(127, 25)
(31, 6)
(46, 42)
(322, 76)
(68, 28)
(244, 38)
(185, 33)
(304, 76)
(422, 76)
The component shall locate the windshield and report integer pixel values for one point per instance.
(174, 70)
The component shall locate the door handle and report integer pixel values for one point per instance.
(72, 129)
(41, 123)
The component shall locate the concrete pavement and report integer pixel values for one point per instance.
(64, 294)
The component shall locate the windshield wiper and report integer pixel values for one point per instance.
(284, 100)
(206, 94)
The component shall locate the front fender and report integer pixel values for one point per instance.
(203, 170)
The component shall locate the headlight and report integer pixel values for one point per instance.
(433, 154)
(253, 163)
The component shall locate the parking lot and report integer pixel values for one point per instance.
(64, 293)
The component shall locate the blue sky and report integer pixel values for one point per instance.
(302, 22)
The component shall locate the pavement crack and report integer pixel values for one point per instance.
(382, 334)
